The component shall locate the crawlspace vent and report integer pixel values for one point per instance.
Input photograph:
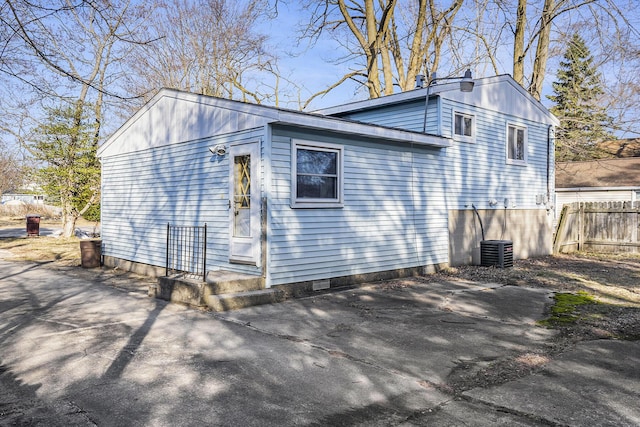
(496, 253)
(321, 284)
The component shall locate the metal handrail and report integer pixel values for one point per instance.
(186, 250)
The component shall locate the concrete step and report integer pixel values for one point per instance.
(222, 291)
(233, 301)
(224, 282)
(179, 289)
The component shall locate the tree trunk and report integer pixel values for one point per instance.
(69, 216)
(383, 44)
(373, 78)
(542, 50)
(69, 226)
(418, 51)
(387, 69)
(518, 42)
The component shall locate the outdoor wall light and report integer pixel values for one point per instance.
(219, 150)
(466, 85)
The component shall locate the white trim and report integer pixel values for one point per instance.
(518, 162)
(384, 134)
(483, 96)
(592, 189)
(249, 246)
(254, 116)
(463, 138)
(296, 202)
(267, 164)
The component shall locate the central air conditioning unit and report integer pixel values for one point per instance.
(496, 253)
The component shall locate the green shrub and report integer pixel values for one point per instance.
(93, 213)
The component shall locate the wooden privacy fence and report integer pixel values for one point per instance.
(598, 227)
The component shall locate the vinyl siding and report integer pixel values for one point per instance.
(407, 116)
(476, 172)
(173, 117)
(397, 197)
(182, 184)
(378, 228)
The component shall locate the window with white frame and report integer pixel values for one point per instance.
(317, 175)
(464, 126)
(516, 144)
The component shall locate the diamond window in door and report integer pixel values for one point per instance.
(242, 196)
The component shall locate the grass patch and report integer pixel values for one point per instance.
(47, 219)
(43, 249)
(17, 212)
(564, 310)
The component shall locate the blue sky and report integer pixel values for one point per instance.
(312, 69)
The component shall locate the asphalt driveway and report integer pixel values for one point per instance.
(74, 351)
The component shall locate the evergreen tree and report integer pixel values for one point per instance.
(70, 171)
(577, 92)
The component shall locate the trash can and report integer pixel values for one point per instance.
(90, 253)
(33, 225)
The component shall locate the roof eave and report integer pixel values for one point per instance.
(290, 117)
(446, 89)
(366, 130)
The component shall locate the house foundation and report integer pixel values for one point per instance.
(531, 231)
(132, 266)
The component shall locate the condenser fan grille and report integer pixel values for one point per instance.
(496, 253)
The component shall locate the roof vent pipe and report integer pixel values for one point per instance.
(420, 78)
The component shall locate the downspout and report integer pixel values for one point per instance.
(549, 128)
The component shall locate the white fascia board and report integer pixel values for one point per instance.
(375, 102)
(594, 189)
(267, 113)
(361, 129)
(449, 90)
(397, 98)
(496, 94)
(114, 136)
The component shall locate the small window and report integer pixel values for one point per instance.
(516, 144)
(316, 179)
(463, 126)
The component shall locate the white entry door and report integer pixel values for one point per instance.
(244, 196)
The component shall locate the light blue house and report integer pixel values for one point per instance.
(351, 193)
